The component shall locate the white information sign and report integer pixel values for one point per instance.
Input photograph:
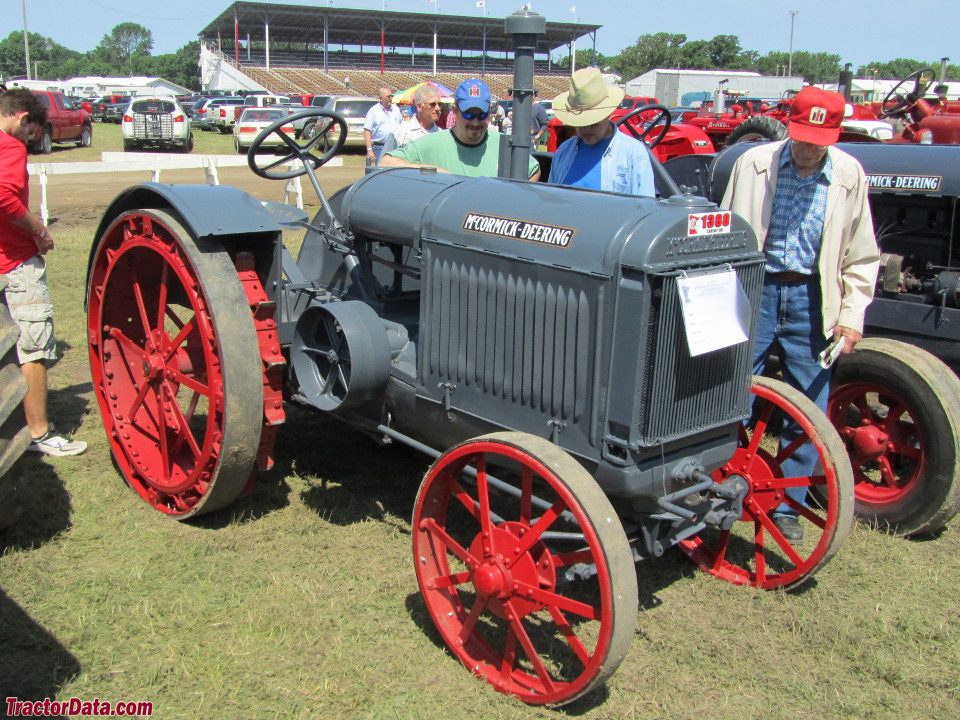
(716, 311)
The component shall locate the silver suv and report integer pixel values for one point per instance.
(156, 122)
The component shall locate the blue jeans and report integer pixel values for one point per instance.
(791, 317)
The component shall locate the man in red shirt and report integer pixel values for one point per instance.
(23, 241)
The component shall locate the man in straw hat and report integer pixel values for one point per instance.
(599, 157)
(807, 201)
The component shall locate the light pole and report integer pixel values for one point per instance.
(26, 42)
(793, 15)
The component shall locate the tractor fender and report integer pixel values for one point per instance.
(205, 210)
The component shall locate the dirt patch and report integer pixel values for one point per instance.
(81, 199)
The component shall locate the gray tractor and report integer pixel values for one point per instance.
(534, 340)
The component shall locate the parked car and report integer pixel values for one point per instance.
(225, 117)
(187, 102)
(204, 116)
(354, 111)
(157, 122)
(252, 121)
(66, 122)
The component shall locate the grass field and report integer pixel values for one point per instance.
(300, 601)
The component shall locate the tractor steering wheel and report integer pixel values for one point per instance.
(905, 103)
(299, 150)
(663, 117)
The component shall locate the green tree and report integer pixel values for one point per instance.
(126, 41)
(724, 52)
(658, 50)
(47, 56)
(585, 58)
(894, 69)
(818, 67)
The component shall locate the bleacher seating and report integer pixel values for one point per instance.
(369, 82)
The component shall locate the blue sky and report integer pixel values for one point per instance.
(889, 30)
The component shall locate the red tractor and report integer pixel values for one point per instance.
(925, 121)
(654, 124)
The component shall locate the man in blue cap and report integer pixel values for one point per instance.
(470, 148)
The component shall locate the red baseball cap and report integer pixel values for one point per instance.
(815, 116)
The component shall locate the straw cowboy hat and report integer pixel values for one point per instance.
(589, 101)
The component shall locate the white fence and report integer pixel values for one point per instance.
(155, 163)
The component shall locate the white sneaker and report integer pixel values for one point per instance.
(56, 444)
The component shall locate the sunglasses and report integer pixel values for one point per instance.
(475, 115)
(432, 104)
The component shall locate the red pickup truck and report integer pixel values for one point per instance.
(66, 122)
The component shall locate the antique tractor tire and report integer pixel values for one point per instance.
(757, 128)
(524, 567)
(754, 552)
(176, 362)
(897, 408)
(14, 434)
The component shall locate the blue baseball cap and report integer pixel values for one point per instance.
(473, 93)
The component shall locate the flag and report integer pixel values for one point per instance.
(574, 9)
(482, 3)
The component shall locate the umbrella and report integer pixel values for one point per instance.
(405, 97)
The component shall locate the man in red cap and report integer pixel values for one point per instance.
(807, 202)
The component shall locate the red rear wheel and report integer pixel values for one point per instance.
(755, 552)
(175, 362)
(533, 586)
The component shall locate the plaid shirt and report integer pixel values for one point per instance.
(796, 223)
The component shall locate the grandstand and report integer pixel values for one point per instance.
(303, 49)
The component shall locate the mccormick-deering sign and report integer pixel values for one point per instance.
(518, 229)
(914, 183)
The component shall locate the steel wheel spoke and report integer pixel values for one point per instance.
(532, 655)
(526, 494)
(532, 537)
(572, 558)
(181, 337)
(759, 555)
(760, 429)
(562, 602)
(478, 606)
(575, 644)
(778, 537)
(141, 306)
(126, 344)
(438, 533)
(787, 452)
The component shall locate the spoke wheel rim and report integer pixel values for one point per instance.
(169, 385)
(885, 444)
(499, 593)
(755, 553)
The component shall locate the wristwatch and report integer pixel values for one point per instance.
(42, 234)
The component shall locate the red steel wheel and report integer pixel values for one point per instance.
(754, 552)
(175, 362)
(532, 585)
(897, 407)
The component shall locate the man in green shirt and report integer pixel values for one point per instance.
(469, 148)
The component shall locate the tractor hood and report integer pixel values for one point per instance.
(890, 167)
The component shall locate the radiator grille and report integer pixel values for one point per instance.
(679, 394)
(527, 341)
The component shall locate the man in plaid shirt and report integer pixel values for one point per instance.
(807, 201)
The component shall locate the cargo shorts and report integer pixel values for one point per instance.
(28, 298)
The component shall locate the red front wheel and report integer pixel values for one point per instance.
(524, 567)
(175, 362)
(755, 552)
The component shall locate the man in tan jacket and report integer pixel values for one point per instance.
(807, 202)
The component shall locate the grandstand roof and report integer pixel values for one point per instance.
(346, 26)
